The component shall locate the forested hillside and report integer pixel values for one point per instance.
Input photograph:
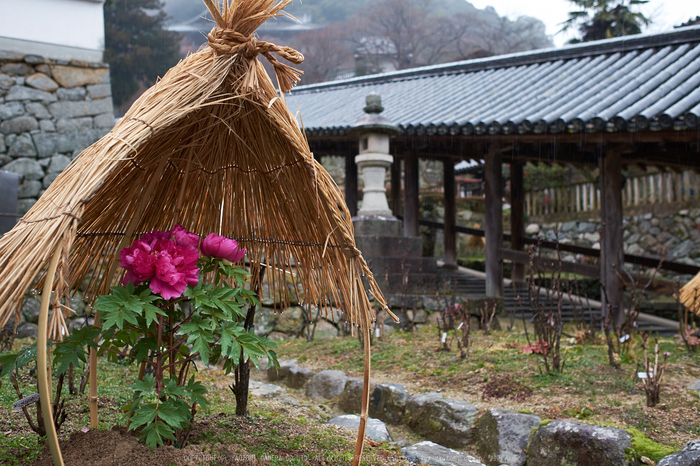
(342, 38)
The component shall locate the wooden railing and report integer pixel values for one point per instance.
(679, 189)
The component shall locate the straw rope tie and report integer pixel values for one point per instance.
(66, 214)
(230, 42)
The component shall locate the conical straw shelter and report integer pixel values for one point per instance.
(213, 147)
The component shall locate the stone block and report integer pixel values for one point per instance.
(72, 125)
(326, 384)
(48, 179)
(274, 374)
(388, 246)
(11, 56)
(265, 320)
(375, 429)
(48, 144)
(58, 164)
(70, 76)
(388, 402)
(17, 69)
(291, 320)
(383, 265)
(3, 147)
(377, 226)
(34, 59)
(264, 390)
(27, 330)
(446, 421)
(436, 455)
(20, 124)
(43, 68)
(532, 229)
(30, 309)
(68, 109)
(324, 330)
(73, 93)
(42, 82)
(23, 206)
(47, 126)
(23, 93)
(351, 398)
(688, 456)
(11, 110)
(99, 91)
(38, 110)
(106, 120)
(297, 376)
(502, 436)
(29, 189)
(22, 146)
(6, 82)
(569, 442)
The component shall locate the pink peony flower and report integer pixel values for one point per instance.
(222, 248)
(168, 264)
(184, 237)
(176, 267)
(138, 261)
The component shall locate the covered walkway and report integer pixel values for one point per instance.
(606, 104)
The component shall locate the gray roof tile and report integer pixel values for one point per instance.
(644, 82)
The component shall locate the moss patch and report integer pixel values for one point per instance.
(643, 446)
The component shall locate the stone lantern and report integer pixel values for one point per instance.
(374, 131)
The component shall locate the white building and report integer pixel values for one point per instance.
(54, 29)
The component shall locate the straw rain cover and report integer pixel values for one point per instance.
(213, 147)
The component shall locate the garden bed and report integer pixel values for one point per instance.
(278, 432)
(497, 374)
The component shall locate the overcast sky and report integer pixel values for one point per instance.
(664, 13)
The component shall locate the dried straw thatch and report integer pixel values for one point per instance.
(213, 147)
(690, 294)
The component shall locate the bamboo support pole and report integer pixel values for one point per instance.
(43, 374)
(364, 412)
(110, 277)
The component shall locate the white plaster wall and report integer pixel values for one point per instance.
(59, 24)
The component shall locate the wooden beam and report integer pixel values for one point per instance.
(493, 187)
(396, 187)
(611, 247)
(450, 214)
(351, 182)
(517, 217)
(410, 194)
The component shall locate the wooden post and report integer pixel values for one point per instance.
(450, 213)
(396, 186)
(493, 187)
(351, 182)
(611, 252)
(43, 373)
(242, 371)
(517, 217)
(410, 194)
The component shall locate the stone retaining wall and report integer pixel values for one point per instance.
(50, 110)
(674, 236)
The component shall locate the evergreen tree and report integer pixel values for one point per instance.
(137, 47)
(603, 19)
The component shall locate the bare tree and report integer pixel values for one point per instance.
(403, 31)
(496, 35)
(326, 53)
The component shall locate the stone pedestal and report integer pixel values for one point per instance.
(391, 255)
(373, 166)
